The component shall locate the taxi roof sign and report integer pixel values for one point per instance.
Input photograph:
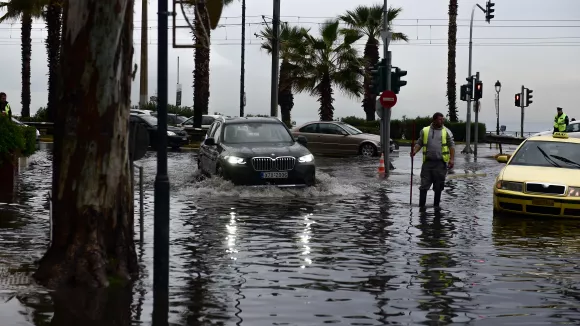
(560, 135)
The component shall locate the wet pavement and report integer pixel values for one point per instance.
(351, 251)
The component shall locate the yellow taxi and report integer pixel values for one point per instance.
(542, 178)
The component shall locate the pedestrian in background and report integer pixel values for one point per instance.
(5, 106)
(561, 121)
(438, 147)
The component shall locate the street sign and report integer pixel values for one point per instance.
(388, 99)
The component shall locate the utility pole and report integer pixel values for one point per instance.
(275, 58)
(161, 194)
(243, 70)
(477, 103)
(144, 73)
(178, 95)
(386, 121)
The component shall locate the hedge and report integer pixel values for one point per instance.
(404, 127)
(173, 109)
(14, 137)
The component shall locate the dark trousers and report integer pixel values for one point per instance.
(433, 173)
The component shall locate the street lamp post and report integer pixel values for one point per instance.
(497, 90)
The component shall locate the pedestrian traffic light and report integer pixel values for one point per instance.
(489, 10)
(470, 87)
(529, 96)
(518, 100)
(378, 74)
(396, 82)
(478, 94)
(463, 93)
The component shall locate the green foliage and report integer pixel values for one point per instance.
(15, 138)
(179, 110)
(41, 115)
(404, 127)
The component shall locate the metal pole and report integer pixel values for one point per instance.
(144, 73)
(161, 217)
(141, 210)
(522, 108)
(386, 112)
(467, 149)
(243, 71)
(476, 125)
(275, 58)
(178, 70)
(497, 114)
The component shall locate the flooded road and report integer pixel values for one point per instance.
(351, 251)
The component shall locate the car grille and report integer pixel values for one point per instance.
(550, 189)
(181, 133)
(283, 163)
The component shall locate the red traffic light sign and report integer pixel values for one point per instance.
(388, 99)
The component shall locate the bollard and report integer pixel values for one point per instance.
(141, 211)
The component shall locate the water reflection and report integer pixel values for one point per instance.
(441, 287)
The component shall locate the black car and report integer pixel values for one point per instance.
(256, 151)
(176, 137)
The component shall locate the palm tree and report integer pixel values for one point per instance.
(53, 18)
(330, 61)
(291, 40)
(451, 72)
(25, 11)
(368, 20)
(201, 58)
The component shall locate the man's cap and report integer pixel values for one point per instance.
(559, 108)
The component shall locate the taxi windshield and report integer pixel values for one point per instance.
(548, 154)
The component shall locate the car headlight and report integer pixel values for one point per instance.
(170, 133)
(510, 185)
(235, 160)
(306, 158)
(574, 191)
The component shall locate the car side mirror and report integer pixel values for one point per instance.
(502, 158)
(302, 140)
(209, 141)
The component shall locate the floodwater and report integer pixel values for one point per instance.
(351, 251)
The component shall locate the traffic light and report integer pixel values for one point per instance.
(378, 74)
(396, 82)
(463, 93)
(518, 100)
(529, 96)
(489, 10)
(470, 87)
(478, 94)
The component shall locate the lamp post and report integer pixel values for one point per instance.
(497, 90)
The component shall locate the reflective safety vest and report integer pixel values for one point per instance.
(7, 109)
(560, 122)
(444, 147)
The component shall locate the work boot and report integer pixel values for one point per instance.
(422, 198)
(437, 199)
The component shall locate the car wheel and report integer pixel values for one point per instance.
(368, 150)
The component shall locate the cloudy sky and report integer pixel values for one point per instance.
(527, 43)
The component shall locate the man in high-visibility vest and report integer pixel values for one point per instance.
(438, 147)
(5, 106)
(561, 121)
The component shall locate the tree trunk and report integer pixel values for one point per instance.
(92, 194)
(326, 110)
(285, 96)
(371, 55)
(53, 26)
(201, 70)
(451, 69)
(111, 307)
(26, 53)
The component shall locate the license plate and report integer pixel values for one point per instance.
(274, 175)
(543, 202)
(184, 138)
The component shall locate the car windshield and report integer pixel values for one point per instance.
(180, 119)
(254, 132)
(548, 154)
(149, 119)
(351, 130)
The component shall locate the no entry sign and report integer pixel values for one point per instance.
(388, 99)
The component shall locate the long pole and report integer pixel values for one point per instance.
(467, 149)
(386, 122)
(243, 70)
(161, 213)
(522, 108)
(144, 73)
(412, 163)
(275, 58)
(476, 126)
(497, 114)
